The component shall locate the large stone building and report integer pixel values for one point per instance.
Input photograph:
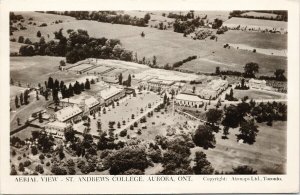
(188, 100)
(70, 114)
(213, 89)
(88, 104)
(57, 129)
(110, 94)
(257, 84)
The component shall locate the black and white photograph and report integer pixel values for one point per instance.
(148, 92)
(168, 92)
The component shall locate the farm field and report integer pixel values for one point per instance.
(256, 23)
(257, 94)
(167, 46)
(267, 155)
(259, 14)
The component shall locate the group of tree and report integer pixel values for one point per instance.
(78, 46)
(230, 96)
(127, 82)
(108, 17)
(242, 85)
(23, 99)
(180, 63)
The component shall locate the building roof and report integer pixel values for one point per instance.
(216, 84)
(160, 81)
(82, 80)
(256, 81)
(89, 101)
(57, 124)
(109, 92)
(188, 97)
(67, 113)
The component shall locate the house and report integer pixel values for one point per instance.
(57, 129)
(257, 84)
(70, 114)
(88, 104)
(110, 94)
(188, 100)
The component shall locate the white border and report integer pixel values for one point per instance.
(290, 181)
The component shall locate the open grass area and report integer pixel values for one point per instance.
(257, 94)
(267, 155)
(255, 39)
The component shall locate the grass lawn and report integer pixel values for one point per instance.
(34, 70)
(267, 155)
(257, 94)
(127, 107)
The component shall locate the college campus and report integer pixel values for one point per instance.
(141, 92)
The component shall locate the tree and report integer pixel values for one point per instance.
(27, 41)
(40, 117)
(225, 132)
(202, 165)
(279, 75)
(250, 69)
(127, 158)
(154, 61)
(17, 101)
(18, 121)
(213, 115)
(143, 35)
(204, 137)
(147, 17)
(34, 150)
(232, 117)
(243, 170)
(21, 39)
(120, 79)
(194, 88)
(129, 81)
(218, 70)
(38, 34)
(87, 84)
(26, 97)
(248, 132)
(62, 63)
(50, 83)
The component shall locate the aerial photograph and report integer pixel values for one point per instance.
(135, 92)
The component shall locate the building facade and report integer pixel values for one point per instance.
(188, 100)
(58, 129)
